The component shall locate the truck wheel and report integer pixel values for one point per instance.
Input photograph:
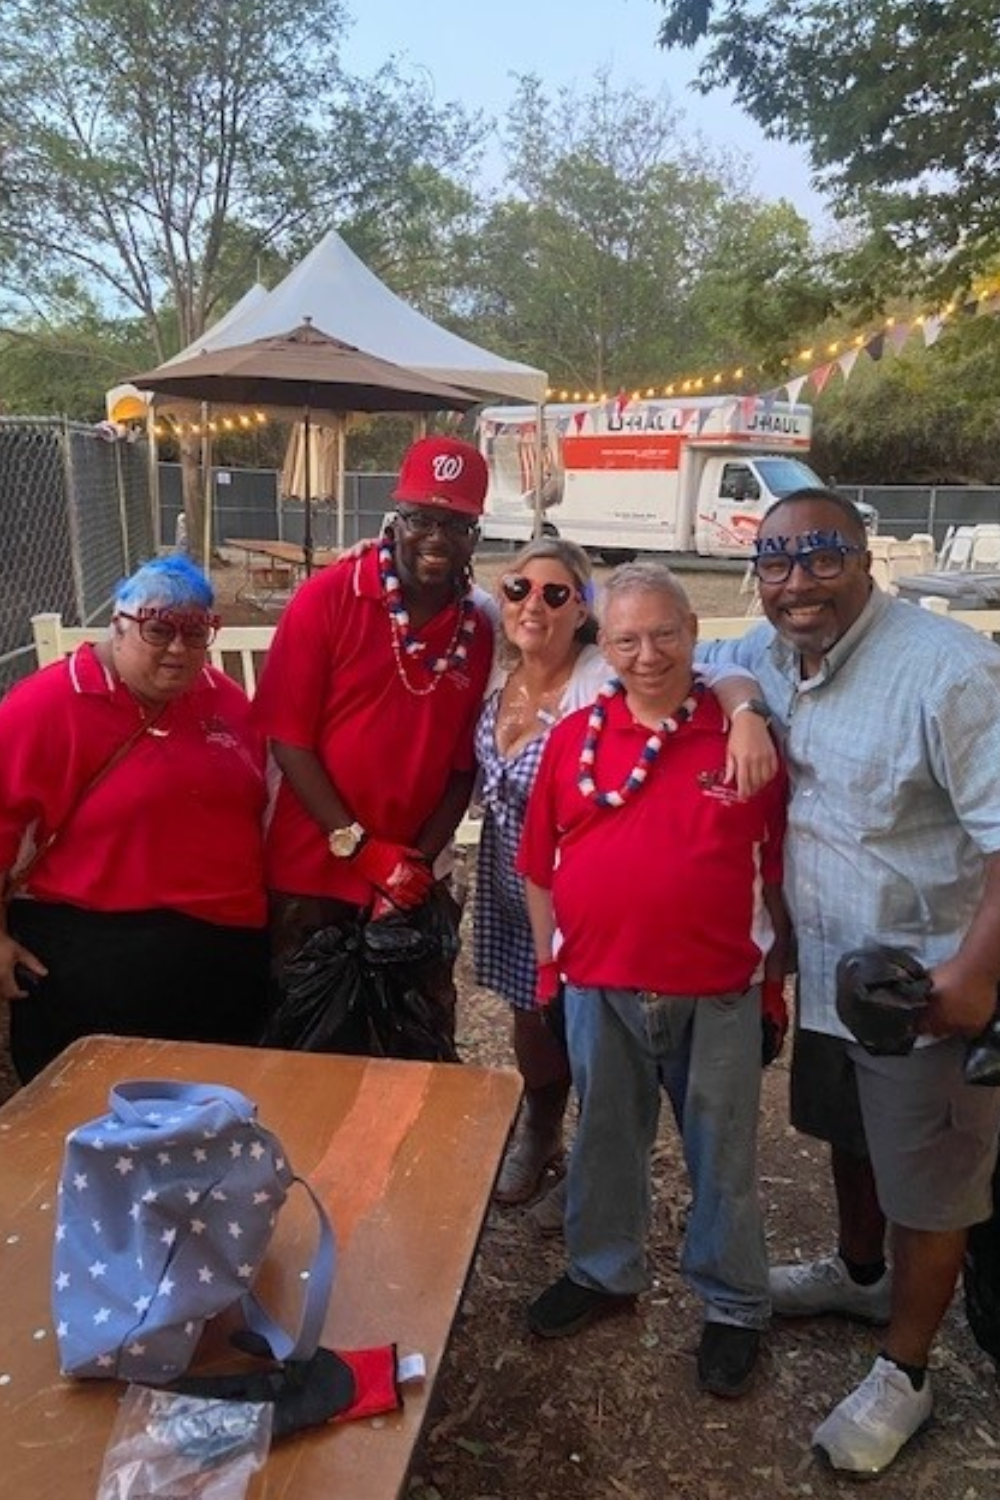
(615, 555)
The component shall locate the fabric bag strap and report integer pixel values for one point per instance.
(17, 879)
(319, 1285)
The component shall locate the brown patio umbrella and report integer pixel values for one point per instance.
(305, 370)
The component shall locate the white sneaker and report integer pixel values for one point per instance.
(866, 1431)
(825, 1286)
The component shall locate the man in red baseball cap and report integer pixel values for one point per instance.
(369, 699)
(442, 471)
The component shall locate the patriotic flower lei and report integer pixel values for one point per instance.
(636, 778)
(405, 645)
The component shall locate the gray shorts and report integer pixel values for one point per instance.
(931, 1137)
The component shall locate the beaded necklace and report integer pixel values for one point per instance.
(636, 778)
(406, 649)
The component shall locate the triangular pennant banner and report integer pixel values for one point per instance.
(794, 388)
(875, 347)
(932, 330)
(847, 362)
(703, 416)
(748, 405)
(898, 334)
(820, 377)
(579, 417)
(969, 309)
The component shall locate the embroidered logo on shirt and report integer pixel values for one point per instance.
(218, 732)
(713, 785)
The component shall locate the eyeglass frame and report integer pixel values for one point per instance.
(538, 588)
(803, 556)
(177, 622)
(420, 523)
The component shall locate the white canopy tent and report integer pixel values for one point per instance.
(338, 293)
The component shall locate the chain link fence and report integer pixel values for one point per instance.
(76, 516)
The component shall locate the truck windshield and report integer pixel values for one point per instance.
(783, 475)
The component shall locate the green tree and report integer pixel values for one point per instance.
(50, 369)
(622, 252)
(928, 416)
(897, 102)
(153, 151)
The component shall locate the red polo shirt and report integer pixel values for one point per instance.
(663, 894)
(176, 824)
(333, 684)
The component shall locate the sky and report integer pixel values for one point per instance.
(470, 50)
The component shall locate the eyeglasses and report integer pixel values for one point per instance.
(420, 523)
(662, 640)
(823, 563)
(516, 588)
(163, 629)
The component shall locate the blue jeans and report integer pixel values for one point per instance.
(705, 1052)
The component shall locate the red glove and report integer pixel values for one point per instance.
(773, 1019)
(547, 983)
(402, 875)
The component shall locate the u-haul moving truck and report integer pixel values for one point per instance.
(619, 477)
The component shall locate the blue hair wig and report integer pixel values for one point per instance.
(172, 582)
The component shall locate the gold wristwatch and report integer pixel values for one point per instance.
(345, 842)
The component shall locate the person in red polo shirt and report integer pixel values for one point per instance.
(369, 700)
(654, 891)
(132, 799)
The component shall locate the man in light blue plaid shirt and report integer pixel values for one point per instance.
(890, 718)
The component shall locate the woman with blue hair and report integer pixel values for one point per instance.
(132, 794)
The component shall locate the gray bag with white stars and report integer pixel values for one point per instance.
(166, 1208)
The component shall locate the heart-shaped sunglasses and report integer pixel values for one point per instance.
(516, 587)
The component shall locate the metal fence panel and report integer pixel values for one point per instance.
(245, 504)
(906, 508)
(75, 517)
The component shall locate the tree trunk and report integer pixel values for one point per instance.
(193, 491)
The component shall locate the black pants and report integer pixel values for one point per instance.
(147, 973)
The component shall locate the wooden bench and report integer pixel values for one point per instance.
(402, 1154)
(238, 650)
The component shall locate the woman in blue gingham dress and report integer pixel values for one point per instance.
(552, 668)
(504, 951)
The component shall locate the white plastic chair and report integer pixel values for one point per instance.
(957, 549)
(984, 553)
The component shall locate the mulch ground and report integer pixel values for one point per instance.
(615, 1414)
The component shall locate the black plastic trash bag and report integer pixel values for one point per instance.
(323, 1006)
(406, 955)
(373, 990)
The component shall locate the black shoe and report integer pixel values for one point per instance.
(726, 1358)
(566, 1308)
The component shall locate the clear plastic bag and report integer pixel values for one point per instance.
(169, 1447)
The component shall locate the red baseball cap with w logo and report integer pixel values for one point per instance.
(443, 471)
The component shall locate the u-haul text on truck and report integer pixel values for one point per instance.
(625, 476)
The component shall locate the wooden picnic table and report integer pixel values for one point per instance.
(273, 568)
(402, 1153)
